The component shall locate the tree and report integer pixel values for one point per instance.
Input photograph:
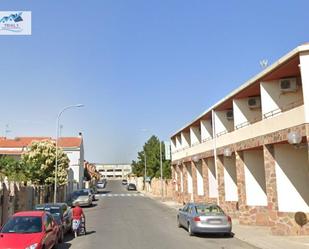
(39, 163)
(12, 169)
(152, 150)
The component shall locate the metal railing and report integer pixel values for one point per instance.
(284, 108)
(266, 115)
(247, 123)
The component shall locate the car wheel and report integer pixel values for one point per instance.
(56, 244)
(228, 235)
(178, 223)
(61, 237)
(190, 230)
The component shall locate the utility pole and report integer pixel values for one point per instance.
(7, 130)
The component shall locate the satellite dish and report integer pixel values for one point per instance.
(264, 63)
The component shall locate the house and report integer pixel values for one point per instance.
(72, 146)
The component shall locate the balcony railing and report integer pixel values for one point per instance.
(247, 123)
(285, 108)
(222, 133)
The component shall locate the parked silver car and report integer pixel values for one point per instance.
(204, 218)
(83, 197)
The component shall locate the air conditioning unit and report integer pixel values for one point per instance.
(288, 85)
(254, 102)
(229, 115)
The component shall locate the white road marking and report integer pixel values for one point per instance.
(120, 195)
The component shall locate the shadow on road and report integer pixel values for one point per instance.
(64, 245)
(68, 237)
(93, 205)
(103, 191)
(214, 236)
(90, 232)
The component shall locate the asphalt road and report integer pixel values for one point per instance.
(119, 221)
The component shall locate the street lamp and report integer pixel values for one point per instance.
(227, 152)
(57, 137)
(294, 138)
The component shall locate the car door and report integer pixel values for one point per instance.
(190, 214)
(66, 217)
(182, 215)
(47, 231)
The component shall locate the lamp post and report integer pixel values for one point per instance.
(161, 170)
(57, 138)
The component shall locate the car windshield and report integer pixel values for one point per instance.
(203, 209)
(57, 218)
(50, 209)
(23, 224)
(76, 194)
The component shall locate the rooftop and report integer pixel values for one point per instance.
(20, 142)
(284, 67)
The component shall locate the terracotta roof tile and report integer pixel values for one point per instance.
(20, 142)
(70, 142)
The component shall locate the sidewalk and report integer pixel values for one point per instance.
(258, 236)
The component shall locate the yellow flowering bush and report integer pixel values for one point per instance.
(39, 163)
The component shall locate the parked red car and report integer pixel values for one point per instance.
(30, 230)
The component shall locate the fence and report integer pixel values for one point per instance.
(17, 197)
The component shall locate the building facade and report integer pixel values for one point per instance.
(72, 146)
(114, 171)
(249, 152)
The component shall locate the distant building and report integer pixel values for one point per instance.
(113, 171)
(72, 146)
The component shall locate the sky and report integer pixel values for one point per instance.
(140, 67)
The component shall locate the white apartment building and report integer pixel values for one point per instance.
(114, 171)
(249, 152)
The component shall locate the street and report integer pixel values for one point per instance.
(123, 219)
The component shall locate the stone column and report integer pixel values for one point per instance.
(271, 183)
(221, 186)
(194, 181)
(205, 179)
(241, 186)
(178, 192)
(185, 182)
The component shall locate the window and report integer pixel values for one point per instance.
(208, 210)
(48, 222)
(186, 208)
(23, 224)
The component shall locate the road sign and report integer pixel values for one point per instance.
(167, 145)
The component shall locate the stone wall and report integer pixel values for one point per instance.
(15, 197)
(155, 188)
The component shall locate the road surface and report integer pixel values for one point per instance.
(129, 220)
